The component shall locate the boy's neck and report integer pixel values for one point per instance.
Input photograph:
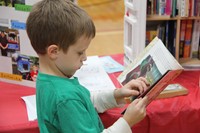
(47, 66)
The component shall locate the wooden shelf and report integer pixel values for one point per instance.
(183, 18)
(167, 17)
(158, 17)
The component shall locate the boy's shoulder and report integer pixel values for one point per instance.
(62, 87)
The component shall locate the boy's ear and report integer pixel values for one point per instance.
(53, 51)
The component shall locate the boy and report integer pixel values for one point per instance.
(60, 32)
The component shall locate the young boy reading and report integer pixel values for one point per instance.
(60, 32)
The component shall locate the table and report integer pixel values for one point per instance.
(179, 114)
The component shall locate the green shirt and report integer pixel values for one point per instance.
(63, 105)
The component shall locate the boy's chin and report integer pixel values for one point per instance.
(70, 75)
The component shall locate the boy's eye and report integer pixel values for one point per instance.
(80, 53)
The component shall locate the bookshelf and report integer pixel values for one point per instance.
(155, 18)
(178, 20)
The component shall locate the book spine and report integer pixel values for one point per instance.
(148, 7)
(195, 39)
(199, 52)
(187, 6)
(166, 33)
(153, 34)
(174, 5)
(171, 36)
(152, 7)
(174, 46)
(147, 38)
(198, 7)
(162, 6)
(182, 37)
(183, 8)
(188, 35)
(168, 7)
(190, 8)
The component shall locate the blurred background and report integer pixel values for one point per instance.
(108, 19)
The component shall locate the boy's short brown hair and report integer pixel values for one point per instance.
(59, 22)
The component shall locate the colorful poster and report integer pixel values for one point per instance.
(19, 62)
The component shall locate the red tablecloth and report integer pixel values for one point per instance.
(171, 115)
(13, 114)
(179, 114)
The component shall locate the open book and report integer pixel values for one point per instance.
(157, 65)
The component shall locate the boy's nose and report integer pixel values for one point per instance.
(84, 57)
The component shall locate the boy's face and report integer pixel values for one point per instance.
(72, 60)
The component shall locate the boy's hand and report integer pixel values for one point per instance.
(136, 111)
(132, 88)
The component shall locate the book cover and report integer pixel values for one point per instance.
(157, 65)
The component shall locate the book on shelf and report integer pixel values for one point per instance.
(171, 36)
(188, 37)
(173, 8)
(168, 8)
(182, 37)
(195, 39)
(199, 50)
(150, 35)
(157, 65)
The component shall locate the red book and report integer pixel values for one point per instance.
(188, 36)
(168, 9)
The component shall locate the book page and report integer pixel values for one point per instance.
(152, 63)
(110, 65)
(163, 58)
(93, 76)
(30, 102)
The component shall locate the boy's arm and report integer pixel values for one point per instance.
(115, 98)
(104, 100)
(120, 126)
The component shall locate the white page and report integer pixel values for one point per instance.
(163, 58)
(30, 102)
(93, 76)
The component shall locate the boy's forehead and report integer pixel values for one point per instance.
(82, 44)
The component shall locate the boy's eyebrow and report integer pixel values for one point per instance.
(83, 49)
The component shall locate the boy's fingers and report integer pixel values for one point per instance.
(143, 102)
(144, 80)
(136, 101)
